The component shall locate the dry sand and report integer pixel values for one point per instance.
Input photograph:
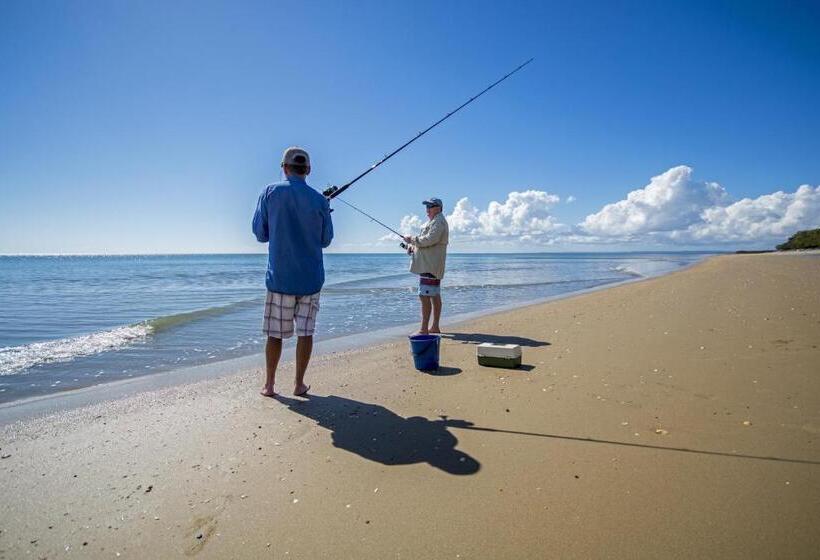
(677, 417)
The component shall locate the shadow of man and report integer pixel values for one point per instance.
(380, 435)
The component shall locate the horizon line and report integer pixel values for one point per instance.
(189, 254)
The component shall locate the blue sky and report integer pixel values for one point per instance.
(152, 126)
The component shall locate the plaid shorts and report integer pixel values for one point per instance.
(283, 310)
(429, 285)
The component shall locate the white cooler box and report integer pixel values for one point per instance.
(499, 355)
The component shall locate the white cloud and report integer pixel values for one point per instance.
(671, 201)
(524, 215)
(773, 216)
(464, 218)
(410, 224)
(672, 210)
(570, 199)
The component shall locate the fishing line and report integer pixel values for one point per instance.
(372, 218)
(385, 226)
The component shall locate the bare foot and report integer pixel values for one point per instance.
(435, 330)
(420, 332)
(301, 390)
(267, 392)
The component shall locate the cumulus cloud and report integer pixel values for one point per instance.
(525, 215)
(570, 199)
(771, 216)
(671, 201)
(410, 224)
(673, 209)
(464, 218)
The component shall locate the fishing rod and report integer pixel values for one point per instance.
(333, 192)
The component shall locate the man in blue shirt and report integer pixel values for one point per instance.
(295, 221)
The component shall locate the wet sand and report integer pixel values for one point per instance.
(677, 417)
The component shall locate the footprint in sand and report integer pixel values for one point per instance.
(202, 529)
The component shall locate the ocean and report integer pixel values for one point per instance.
(68, 322)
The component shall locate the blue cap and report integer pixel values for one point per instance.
(432, 202)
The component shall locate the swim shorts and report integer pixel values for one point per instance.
(429, 285)
(283, 310)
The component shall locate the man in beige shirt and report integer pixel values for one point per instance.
(429, 251)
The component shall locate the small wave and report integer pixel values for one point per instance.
(335, 289)
(626, 270)
(529, 284)
(360, 281)
(167, 321)
(648, 268)
(16, 359)
(579, 281)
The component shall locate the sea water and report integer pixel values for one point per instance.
(73, 321)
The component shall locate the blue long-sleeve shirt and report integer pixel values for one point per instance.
(295, 221)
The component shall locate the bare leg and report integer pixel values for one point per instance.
(273, 350)
(304, 347)
(426, 307)
(436, 314)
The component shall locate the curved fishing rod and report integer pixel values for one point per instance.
(333, 192)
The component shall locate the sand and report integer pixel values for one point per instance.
(677, 417)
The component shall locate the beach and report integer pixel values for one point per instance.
(674, 417)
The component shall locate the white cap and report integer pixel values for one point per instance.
(295, 156)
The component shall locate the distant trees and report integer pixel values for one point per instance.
(808, 239)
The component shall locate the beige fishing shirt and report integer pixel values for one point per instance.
(431, 247)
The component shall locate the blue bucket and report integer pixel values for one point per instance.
(425, 351)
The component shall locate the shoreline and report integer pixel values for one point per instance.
(65, 401)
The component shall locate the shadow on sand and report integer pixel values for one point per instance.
(471, 426)
(441, 371)
(376, 433)
(479, 338)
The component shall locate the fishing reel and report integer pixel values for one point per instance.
(328, 193)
